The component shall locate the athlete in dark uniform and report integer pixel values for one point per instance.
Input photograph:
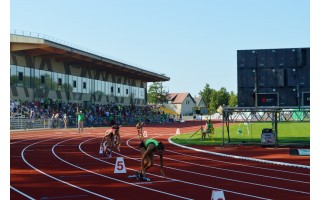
(148, 148)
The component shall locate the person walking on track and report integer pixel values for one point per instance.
(80, 120)
(148, 148)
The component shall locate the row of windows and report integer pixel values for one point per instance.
(34, 78)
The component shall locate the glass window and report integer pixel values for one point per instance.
(48, 79)
(79, 86)
(141, 92)
(20, 76)
(84, 85)
(13, 75)
(134, 92)
(42, 79)
(36, 78)
(118, 90)
(89, 85)
(27, 77)
(54, 81)
(107, 88)
(126, 90)
(74, 84)
(111, 89)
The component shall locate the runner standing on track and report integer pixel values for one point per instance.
(148, 148)
(80, 120)
(139, 129)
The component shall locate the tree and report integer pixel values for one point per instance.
(206, 94)
(156, 94)
(223, 97)
(233, 99)
(213, 98)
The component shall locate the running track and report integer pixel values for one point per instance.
(63, 164)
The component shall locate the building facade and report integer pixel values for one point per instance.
(41, 67)
(273, 77)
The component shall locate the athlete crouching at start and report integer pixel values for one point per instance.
(148, 148)
(111, 138)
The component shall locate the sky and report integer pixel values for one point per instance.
(193, 42)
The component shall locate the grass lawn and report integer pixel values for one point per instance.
(288, 132)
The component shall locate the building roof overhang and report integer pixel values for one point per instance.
(35, 46)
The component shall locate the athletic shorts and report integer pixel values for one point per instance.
(142, 145)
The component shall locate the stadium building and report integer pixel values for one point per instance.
(274, 77)
(41, 66)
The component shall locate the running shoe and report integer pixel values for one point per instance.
(139, 175)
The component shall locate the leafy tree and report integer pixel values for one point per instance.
(223, 97)
(213, 98)
(213, 102)
(233, 99)
(205, 94)
(156, 94)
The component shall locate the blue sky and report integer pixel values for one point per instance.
(192, 42)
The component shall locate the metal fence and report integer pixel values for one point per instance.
(273, 117)
(22, 122)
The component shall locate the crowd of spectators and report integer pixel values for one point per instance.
(95, 114)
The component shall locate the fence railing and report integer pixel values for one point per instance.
(275, 116)
(21, 122)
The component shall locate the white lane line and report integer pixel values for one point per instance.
(119, 180)
(239, 157)
(151, 182)
(249, 166)
(177, 180)
(235, 171)
(25, 195)
(228, 179)
(52, 177)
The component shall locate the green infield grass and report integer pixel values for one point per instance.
(249, 133)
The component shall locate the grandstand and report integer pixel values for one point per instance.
(52, 73)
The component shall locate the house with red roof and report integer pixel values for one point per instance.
(181, 103)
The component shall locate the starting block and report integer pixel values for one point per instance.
(145, 134)
(178, 132)
(120, 167)
(101, 149)
(217, 195)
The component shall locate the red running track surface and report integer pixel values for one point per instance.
(63, 164)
